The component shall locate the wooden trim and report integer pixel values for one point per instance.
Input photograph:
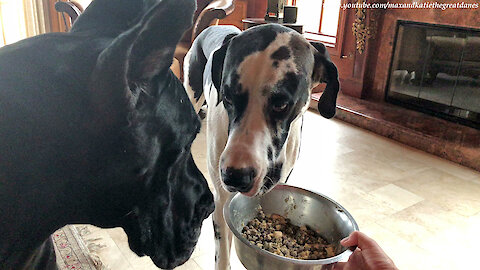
(320, 34)
(351, 87)
(334, 48)
(341, 30)
(56, 20)
(321, 17)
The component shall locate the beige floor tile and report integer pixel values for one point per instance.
(448, 191)
(361, 164)
(205, 245)
(364, 211)
(426, 221)
(138, 263)
(189, 265)
(387, 157)
(394, 197)
(206, 261)
(406, 255)
(439, 163)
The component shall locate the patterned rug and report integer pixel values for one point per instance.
(73, 252)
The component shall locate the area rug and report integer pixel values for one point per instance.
(73, 252)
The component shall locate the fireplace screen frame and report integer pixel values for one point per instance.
(448, 112)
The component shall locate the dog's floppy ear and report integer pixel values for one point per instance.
(325, 71)
(218, 60)
(141, 52)
(162, 28)
(147, 48)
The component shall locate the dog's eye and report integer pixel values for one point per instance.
(280, 107)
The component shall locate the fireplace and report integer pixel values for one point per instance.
(436, 69)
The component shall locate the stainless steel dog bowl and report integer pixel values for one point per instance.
(301, 207)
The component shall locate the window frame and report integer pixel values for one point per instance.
(334, 48)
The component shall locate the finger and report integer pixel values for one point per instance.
(359, 239)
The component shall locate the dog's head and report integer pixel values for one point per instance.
(264, 77)
(166, 223)
(135, 91)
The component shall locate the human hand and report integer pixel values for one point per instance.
(368, 255)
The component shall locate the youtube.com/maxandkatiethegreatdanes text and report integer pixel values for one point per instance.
(412, 5)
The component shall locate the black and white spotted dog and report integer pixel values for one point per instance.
(257, 85)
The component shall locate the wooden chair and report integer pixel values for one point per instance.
(208, 13)
(71, 8)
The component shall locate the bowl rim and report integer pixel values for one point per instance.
(326, 261)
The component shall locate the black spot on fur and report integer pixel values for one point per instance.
(283, 53)
(273, 175)
(238, 89)
(275, 64)
(276, 143)
(197, 62)
(270, 153)
(290, 83)
(255, 39)
(241, 102)
(237, 108)
(292, 91)
(216, 231)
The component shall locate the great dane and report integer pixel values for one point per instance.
(95, 128)
(257, 85)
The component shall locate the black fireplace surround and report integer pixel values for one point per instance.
(436, 69)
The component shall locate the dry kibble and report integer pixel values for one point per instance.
(276, 234)
(330, 251)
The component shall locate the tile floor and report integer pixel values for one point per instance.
(423, 210)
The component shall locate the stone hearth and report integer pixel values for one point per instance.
(452, 141)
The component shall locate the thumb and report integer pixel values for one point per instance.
(351, 240)
(359, 239)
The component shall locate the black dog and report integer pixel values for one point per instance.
(95, 128)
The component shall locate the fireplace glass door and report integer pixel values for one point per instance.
(436, 69)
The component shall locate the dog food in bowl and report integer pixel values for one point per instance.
(275, 233)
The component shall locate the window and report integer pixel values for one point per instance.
(22, 19)
(319, 18)
(12, 22)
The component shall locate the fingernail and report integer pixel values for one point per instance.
(344, 240)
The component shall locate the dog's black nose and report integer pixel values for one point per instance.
(239, 179)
